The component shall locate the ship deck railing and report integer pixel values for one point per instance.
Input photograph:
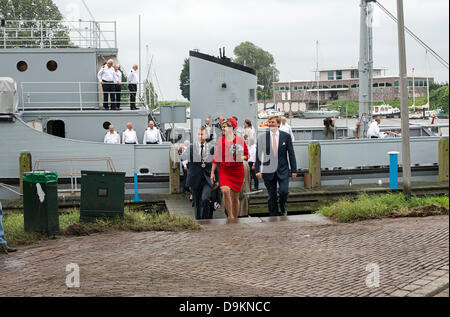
(76, 95)
(58, 34)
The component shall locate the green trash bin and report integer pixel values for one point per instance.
(40, 202)
(102, 195)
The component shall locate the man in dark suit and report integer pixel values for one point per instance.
(272, 152)
(200, 156)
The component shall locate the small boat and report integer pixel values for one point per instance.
(322, 113)
(269, 113)
(385, 110)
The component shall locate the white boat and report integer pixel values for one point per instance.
(385, 110)
(269, 113)
(322, 113)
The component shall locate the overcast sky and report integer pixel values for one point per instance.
(286, 28)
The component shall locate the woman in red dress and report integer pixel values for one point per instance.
(231, 152)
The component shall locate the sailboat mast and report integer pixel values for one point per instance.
(317, 75)
(428, 79)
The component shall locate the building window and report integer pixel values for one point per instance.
(388, 84)
(52, 66)
(397, 83)
(375, 85)
(330, 75)
(355, 73)
(277, 88)
(355, 86)
(338, 74)
(22, 66)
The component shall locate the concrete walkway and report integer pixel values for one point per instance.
(390, 257)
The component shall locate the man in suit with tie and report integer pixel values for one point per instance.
(200, 156)
(272, 165)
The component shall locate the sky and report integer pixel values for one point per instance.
(288, 29)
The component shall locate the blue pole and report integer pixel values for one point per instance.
(393, 170)
(136, 194)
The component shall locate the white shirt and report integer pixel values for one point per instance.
(106, 74)
(129, 137)
(374, 130)
(118, 76)
(152, 136)
(252, 152)
(112, 138)
(132, 77)
(287, 128)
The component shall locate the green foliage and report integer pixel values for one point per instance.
(439, 98)
(34, 10)
(69, 222)
(150, 94)
(250, 55)
(185, 80)
(378, 206)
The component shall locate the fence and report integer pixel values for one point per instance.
(77, 95)
(58, 34)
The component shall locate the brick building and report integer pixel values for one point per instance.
(340, 84)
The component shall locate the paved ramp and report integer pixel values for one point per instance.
(181, 206)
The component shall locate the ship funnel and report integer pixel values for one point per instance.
(9, 97)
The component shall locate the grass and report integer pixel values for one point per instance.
(383, 206)
(69, 223)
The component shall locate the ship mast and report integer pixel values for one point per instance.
(365, 67)
(317, 75)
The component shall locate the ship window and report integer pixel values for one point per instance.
(106, 125)
(22, 66)
(52, 66)
(251, 95)
(144, 171)
(56, 128)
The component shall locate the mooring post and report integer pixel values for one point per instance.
(24, 167)
(174, 172)
(393, 170)
(443, 160)
(315, 166)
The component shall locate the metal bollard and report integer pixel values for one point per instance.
(393, 170)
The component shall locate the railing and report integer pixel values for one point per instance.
(79, 95)
(58, 34)
(74, 171)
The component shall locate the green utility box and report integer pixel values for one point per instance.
(40, 202)
(102, 195)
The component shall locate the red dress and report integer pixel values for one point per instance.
(229, 157)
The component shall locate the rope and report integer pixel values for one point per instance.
(415, 37)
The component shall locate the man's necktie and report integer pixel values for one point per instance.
(275, 144)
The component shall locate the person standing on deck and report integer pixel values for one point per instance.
(152, 135)
(132, 86)
(129, 135)
(106, 78)
(112, 137)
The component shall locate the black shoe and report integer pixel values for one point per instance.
(134, 108)
(5, 249)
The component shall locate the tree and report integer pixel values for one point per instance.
(24, 16)
(250, 55)
(439, 98)
(184, 80)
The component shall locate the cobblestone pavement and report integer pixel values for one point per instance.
(254, 259)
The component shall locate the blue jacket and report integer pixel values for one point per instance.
(275, 165)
